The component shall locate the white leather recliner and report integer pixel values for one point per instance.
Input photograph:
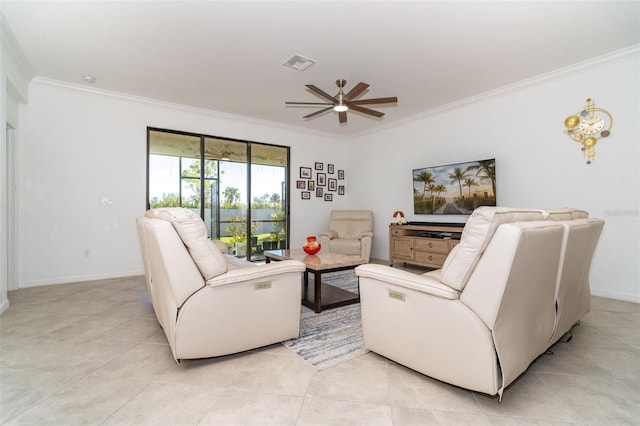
(573, 293)
(502, 297)
(350, 232)
(207, 306)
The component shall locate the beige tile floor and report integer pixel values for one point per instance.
(93, 353)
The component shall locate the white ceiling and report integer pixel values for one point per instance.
(227, 56)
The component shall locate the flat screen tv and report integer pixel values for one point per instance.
(454, 188)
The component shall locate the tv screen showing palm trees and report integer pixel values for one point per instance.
(454, 188)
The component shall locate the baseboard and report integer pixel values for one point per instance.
(4, 306)
(79, 278)
(615, 295)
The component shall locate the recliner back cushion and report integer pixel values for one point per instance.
(566, 213)
(351, 223)
(193, 233)
(477, 233)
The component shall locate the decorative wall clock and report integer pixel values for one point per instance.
(588, 126)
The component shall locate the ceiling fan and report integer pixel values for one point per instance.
(341, 103)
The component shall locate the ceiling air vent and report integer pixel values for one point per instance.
(299, 62)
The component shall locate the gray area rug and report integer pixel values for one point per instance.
(334, 335)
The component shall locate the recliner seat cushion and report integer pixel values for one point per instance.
(350, 246)
(477, 233)
(193, 233)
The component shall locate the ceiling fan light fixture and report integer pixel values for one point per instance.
(340, 108)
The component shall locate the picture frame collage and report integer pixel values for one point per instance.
(326, 184)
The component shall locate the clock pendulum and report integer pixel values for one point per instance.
(587, 127)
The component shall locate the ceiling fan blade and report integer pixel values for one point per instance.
(342, 117)
(388, 100)
(356, 91)
(366, 111)
(321, 93)
(308, 103)
(313, 114)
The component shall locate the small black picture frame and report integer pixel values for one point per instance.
(341, 174)
(311, 185)
(330, 168)
(319, 192)
(300, 184)
(340, 189)
(319, 165)
(333, 184)
(321, 179)
(305, 195)
(328, 197)
(305, 172)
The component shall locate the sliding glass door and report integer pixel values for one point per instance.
(241, 192)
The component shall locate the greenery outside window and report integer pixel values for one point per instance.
(241, 192)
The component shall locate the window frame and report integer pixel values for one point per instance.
(285, 187)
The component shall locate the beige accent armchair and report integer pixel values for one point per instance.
(514, 285)
(350, 232)
(206, 305)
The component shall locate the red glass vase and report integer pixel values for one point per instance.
(312, 246)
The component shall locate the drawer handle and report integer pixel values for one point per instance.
(430, 257)
(430, 245)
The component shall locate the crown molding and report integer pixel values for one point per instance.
(603, 60)
(187, 108)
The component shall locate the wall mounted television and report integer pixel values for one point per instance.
(454, 189)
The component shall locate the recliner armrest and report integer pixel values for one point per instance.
(258, 272)
(365, 234)
(329, 234)
(424, 284)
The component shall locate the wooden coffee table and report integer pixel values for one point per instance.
(323, 296)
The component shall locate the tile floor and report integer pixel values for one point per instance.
(93, 353)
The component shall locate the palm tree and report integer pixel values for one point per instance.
(488, 168)
(275, 200)
(433, 188)
(426, 178)
(469, 182)
(457, 176)
(439, 190)
(232, 196)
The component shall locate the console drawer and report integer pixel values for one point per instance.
(430, 258)
(432, 245)
(397, 232)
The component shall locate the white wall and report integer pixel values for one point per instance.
(537, 165)
(78, 146)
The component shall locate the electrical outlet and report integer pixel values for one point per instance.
(86, 253)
